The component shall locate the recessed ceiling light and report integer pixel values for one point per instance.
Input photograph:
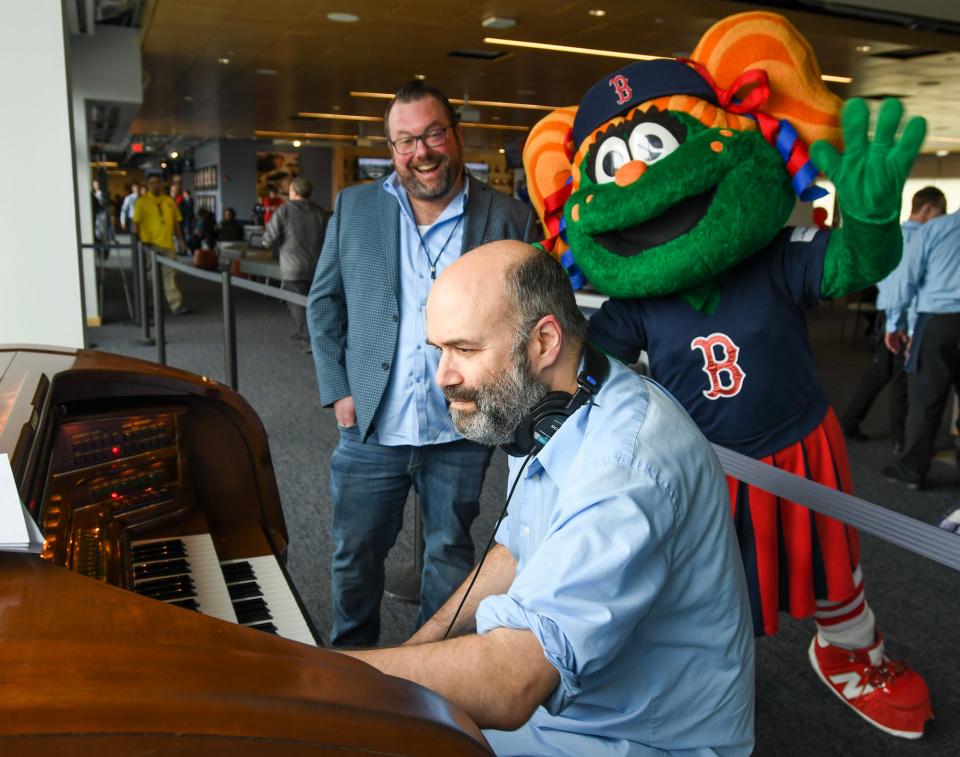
(163, 165)
(863, 48)
(421, 77)
(942, 153)
(597, 12)
(501, 151)
(223, 61)
(343, 18)
(499, 22)
(174, 154)
(296, 143)
(267, 71)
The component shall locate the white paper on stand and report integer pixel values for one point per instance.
(18, 532)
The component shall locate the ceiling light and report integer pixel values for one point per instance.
(174, 154)
(163, 165)
(421, 77)
(597, 12)
(504, 127)
(338, 116)
(494, 118)
(343, 18)
(942, 153)
(499, 22)
(296, 143)
(569, 49)
(187, 99)
(455, 101)
(267, 71)
(863, 48)
(837, 79)
(608, 53)
(310, 135)
(223, 61)
(501, 151)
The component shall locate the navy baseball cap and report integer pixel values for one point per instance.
(633, 84)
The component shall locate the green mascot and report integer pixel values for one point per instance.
(668, 189)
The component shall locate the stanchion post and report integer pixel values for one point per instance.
(158, 312)
(403, 583)
(229, 331)
(141, 274)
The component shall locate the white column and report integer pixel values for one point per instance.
(39, 265)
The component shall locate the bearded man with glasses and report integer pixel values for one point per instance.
(384, 247)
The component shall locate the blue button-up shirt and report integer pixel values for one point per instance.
(629, 576)
(413, 410)
(886, 289)
(929, 271)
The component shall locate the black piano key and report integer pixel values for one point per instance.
(252, 610)
(154, 583)
(172, 592)
(154, 587)
(187, 604)
(149, 552)
(156, 569)
(268, 627)
(237, 572)
(244, 590)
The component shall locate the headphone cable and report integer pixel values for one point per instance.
(486, 550)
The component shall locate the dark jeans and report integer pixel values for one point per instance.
(369, 483)
(885, 367)
(298, 312)
(938, 371)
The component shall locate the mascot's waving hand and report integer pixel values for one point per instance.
(668, 189)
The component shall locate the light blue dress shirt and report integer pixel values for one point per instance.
(886, 289)
(629, 576)
(929, 271)
(126, 210)
(413, 410)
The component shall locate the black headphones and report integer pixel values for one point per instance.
(546, 417)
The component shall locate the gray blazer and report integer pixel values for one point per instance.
(353, 309)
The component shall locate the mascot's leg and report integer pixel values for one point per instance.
(809, 565)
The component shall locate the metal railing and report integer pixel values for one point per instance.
(227, 281)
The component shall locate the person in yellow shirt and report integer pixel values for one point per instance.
(156, 222)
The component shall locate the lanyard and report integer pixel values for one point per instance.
(433, 262)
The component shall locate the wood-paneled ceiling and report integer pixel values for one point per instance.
(318, 62)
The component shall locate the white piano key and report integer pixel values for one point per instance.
(284, 610)
(212, 596)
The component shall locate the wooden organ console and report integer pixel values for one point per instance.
(156, 497)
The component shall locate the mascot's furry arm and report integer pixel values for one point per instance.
(869, 179)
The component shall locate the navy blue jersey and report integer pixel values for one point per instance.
(746, 373)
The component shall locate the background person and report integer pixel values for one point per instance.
(296, 228)
(156, 223)
(886, 365)
(384, 245)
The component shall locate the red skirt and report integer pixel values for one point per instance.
(793, 556)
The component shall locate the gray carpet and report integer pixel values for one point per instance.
(912, 597)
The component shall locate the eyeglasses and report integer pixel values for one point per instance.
(432, 138)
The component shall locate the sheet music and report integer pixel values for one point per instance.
(18, 532)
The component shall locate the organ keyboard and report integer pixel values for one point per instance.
(158, 482)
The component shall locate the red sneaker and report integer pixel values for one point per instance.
(887, 693)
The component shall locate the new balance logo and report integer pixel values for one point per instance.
(720, 364)
(852, 689)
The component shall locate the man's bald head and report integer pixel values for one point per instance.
(512, 281)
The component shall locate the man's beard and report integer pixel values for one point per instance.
(450, 172)
(500, 404)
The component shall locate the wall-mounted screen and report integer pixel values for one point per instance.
(479, 171)
(373, 168)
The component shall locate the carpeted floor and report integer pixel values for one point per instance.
(912, 597)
